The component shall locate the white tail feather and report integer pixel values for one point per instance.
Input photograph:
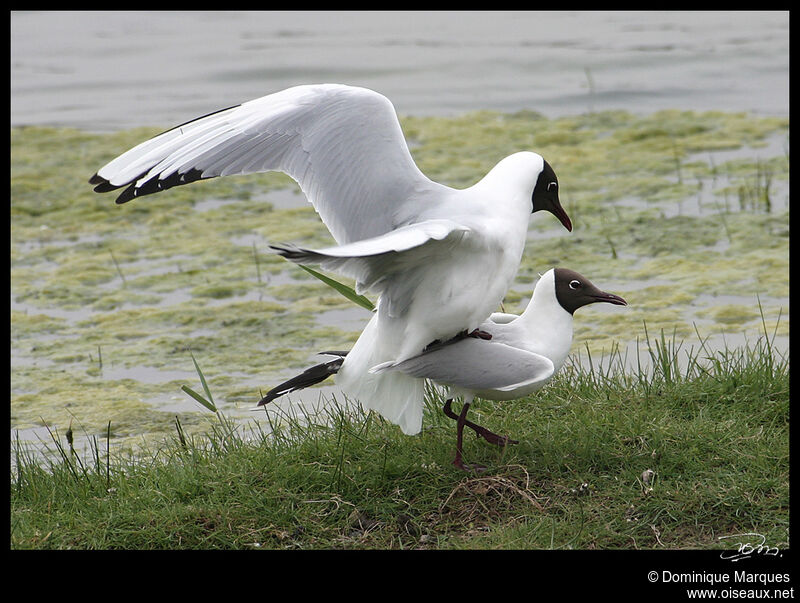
(396, 396)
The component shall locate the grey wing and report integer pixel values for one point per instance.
(478, 364)
(343, 145)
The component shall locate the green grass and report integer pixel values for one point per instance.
(712, 427)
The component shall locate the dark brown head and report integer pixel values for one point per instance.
(545, 196)
(574, 291)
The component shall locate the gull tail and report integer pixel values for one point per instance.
(309, 377)
(396, 396)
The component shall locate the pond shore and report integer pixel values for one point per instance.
(685, 214)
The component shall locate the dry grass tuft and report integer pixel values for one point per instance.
(483, 499)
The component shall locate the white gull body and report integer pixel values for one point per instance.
(525, 351)
(523, 354)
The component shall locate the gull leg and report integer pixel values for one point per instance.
(482, 432)
(457, 461)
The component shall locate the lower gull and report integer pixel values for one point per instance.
(524, 353)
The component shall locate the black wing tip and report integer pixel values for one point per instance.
(105, 187)
(156, 184)
(102, 185)
(271, 395)
(289, 251)
(128, 194)
(310, 376)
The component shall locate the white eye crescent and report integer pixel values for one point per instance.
(575, 284)
(552, 184)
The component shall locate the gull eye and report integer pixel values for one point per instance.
(552, 185)
(575, 285)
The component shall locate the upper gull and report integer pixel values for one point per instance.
(440, 259)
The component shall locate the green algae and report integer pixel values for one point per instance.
(674, 210)
(737, 314)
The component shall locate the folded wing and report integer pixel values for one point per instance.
(390, 263)
(476, 364)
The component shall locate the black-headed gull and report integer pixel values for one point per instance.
(440, 259)
(524, 353)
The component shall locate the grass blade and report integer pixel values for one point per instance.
(348, 292)
(209, 405)
(203, 381)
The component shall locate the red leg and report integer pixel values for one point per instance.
(458, 462)
(482, 432)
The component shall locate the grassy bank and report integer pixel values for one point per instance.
(665, 458)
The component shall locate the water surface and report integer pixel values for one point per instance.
(117, 70)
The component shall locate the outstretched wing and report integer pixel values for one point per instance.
(343, 145)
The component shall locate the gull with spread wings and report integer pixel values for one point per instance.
(440, 259)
